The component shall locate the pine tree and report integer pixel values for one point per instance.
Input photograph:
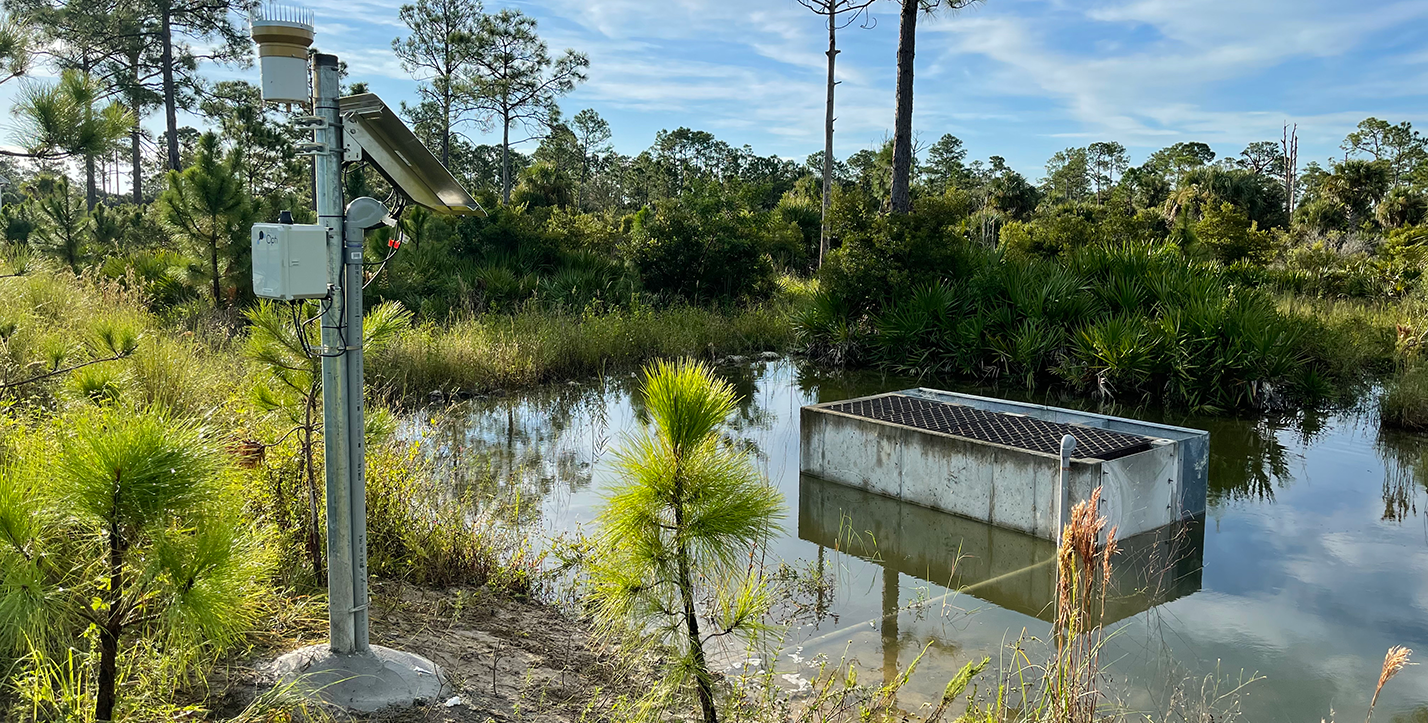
(70, 119)
(130, 530)
(207, 206)
(517, 83)
(62, 227)
(679, 528)
(291, 386)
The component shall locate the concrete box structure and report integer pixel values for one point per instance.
(1151, 475)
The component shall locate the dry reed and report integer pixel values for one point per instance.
(1393, 662)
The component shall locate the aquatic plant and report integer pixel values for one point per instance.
(484, 353)
(678, 531)
(1130, 322)
(1404, 402)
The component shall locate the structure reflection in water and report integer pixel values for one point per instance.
(1010, 569)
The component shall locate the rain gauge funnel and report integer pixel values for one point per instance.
(1000, 462)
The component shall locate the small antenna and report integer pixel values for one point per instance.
(276, 13)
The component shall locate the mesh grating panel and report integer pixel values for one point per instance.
(1011, 430)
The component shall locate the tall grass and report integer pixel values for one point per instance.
(505, 352)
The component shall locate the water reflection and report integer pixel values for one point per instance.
(1309, 572)
(1405, 472)
(1010, 569)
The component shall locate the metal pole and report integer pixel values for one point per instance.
(356, 428)
(335, 415)
(1063, 488)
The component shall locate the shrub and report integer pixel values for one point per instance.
(897, 254)
(700, 251)
(1231, 236)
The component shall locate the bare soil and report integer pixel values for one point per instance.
(508, 659)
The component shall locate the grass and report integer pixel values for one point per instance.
(188, 370)
(518, 351)
(1404, 402)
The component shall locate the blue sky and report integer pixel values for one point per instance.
(1017, 78)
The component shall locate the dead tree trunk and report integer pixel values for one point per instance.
(823, 240)
(1290, 148)
(900, 200)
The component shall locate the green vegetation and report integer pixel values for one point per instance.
(677, 531)
(130, 536)
(488, 353)
(171, 535)
(160, 435)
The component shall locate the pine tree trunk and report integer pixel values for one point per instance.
(506, 159)
(166, 37)
(314, 545)
(446, 124)
(823, 240)
(704, 684)
(91, 195)
(136, 151)
(213, 267)
(900, 200)
(110, 632)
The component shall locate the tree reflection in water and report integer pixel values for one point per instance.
(505, 455)
(1405, 472)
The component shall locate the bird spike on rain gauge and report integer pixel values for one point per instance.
(324, 262)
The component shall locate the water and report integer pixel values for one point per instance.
(1313, 560)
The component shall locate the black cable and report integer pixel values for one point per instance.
(300, 325)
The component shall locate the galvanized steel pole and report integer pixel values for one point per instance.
(1063, 488)
(355, 235)
(336, 417)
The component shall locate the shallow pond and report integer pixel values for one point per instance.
(1314, 559)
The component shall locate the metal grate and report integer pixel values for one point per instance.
(1012, 430)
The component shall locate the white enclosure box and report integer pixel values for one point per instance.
(289, 261)
(284, 79)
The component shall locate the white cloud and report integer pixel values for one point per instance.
(1164, 86)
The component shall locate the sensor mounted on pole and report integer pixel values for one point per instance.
(283, 35)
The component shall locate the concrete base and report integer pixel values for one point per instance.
(365, 683)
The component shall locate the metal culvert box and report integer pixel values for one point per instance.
(999, 461)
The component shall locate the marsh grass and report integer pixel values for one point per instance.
(1405, 400)
(421, 532)
(481, 354)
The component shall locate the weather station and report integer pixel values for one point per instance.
(325, 262)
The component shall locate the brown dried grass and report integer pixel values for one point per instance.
(1394, 661)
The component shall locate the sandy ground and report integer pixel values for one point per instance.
(507, 659)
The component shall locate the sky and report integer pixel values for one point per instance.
(1017, 78)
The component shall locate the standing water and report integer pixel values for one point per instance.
(1312, 563)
